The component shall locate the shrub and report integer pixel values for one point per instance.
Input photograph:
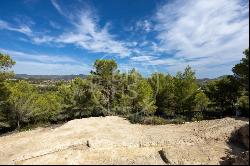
(154, 120)
(198, 116)
(135, 118)
(178, 120)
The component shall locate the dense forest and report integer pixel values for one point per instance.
(159, 99)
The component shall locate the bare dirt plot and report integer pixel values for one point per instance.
(113, 140)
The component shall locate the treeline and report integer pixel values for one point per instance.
(106, 91)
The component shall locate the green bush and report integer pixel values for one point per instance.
(154, 120)
(197, 117)
(244, 105)
(147, 120)
(135, 118)
(178, 120)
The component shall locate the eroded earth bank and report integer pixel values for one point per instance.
(113, 140)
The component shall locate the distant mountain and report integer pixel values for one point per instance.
(48, 77)
(70, 77)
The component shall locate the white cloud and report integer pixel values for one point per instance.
(88, 35)
(54, 25)
(38, 68)
(31, 63)
(21, 29)
(57, 7)
(143, 58)
(45, 58)
(208, 35)
(205, 32)
(143, 25)
(42, 39)
(34, 37)
(203, 28)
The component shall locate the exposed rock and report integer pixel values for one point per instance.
(88, 144)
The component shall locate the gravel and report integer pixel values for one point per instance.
(113, 140)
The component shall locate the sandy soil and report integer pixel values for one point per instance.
(113, 140)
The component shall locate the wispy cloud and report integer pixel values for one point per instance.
(84, 33)
(42, 39)
(24, 29)
(54, 25)
(58, 7)
(32, 63)
(30, 67)
(203, 28)
(143, 58)
(34, 37)
(143, 26)
(202, 33)
(87, 34)
(45, 58)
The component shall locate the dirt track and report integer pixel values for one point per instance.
(113, 140)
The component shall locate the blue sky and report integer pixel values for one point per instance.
(66, 37)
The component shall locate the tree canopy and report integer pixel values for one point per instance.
(241, 71)
(161, 98)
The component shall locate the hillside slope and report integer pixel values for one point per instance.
(113, 140)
